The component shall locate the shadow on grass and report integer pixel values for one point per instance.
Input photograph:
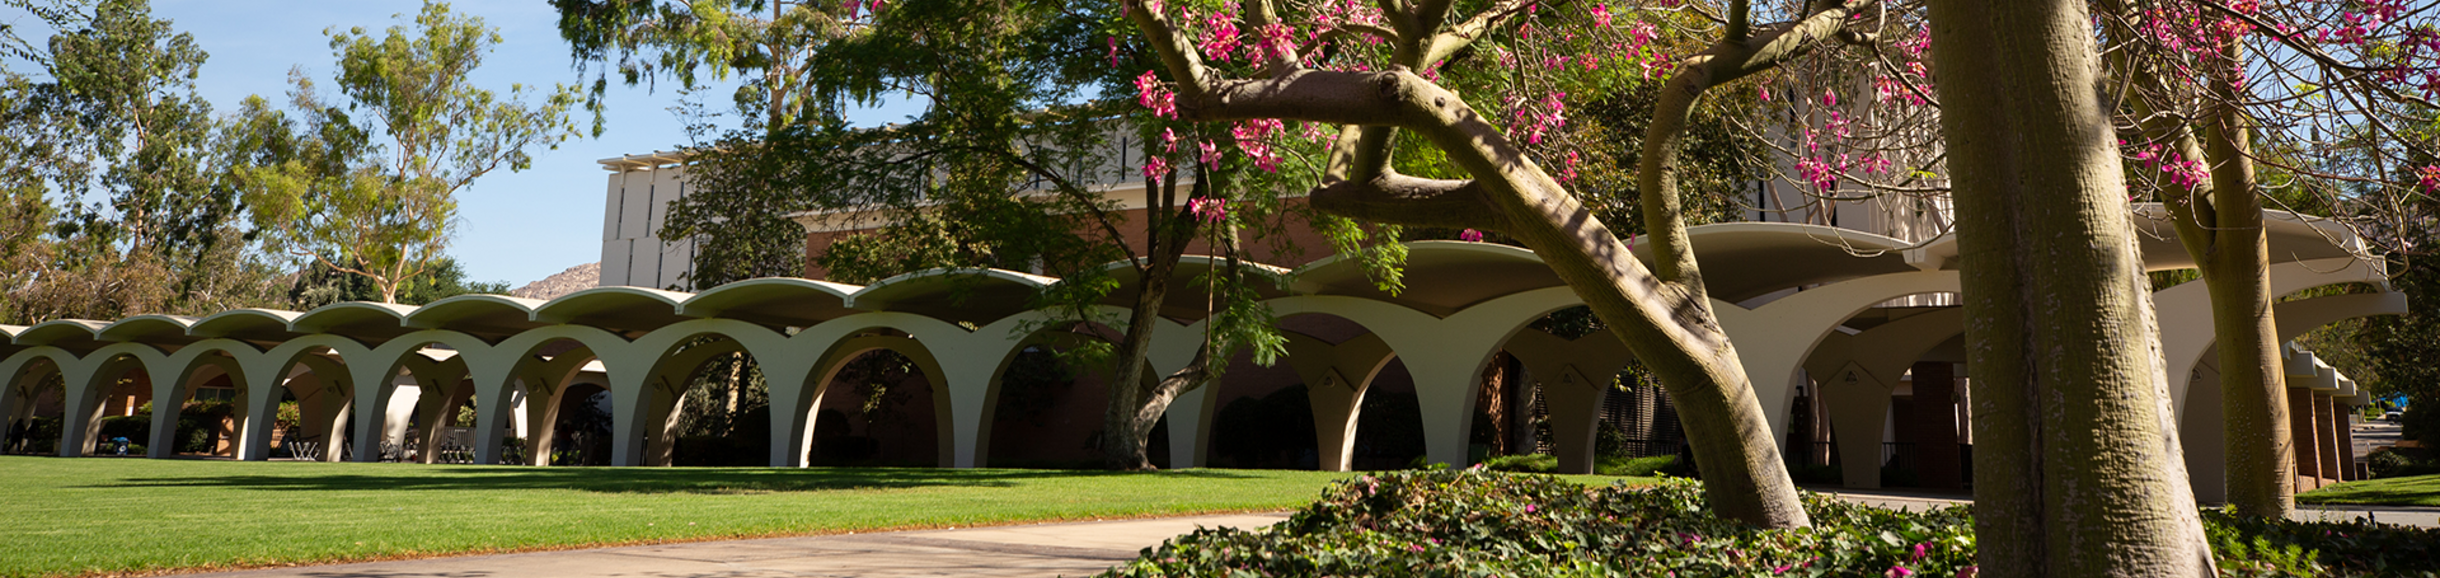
(646, 480)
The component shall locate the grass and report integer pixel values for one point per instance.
(104, 516)
(2401, 491)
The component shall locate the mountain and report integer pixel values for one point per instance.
(577, 278)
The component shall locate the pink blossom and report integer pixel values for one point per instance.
(1114, 52)
(1920, 547)
(1601, 15)
(1829, 98)
(1473, 236)
(1210, 210)
(1528, 507)
(2429, 178)
(1211, 153)
(1148, 92)
(1254, 137)
(1156, 167)
(1898, 572)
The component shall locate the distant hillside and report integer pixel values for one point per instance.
(577, 278)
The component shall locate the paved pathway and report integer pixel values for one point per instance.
(2412, 516)
(1039, 550)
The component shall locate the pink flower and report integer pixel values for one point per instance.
(1414, 547)
(1156, 167)
(1478, 236)
(1898, 572)
(1829, 98)
(2429, 178)
(1148, 92)
(1782, 569)
(1211, 153)
(1919, 550)
(1473, 236)
(1601, 15)
(1209, 210)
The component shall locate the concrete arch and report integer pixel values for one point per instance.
(2199, 413)
(1774, 340)
(547, 383)
(2184, 311)
(792, 437)
(653, 409)
(1576, 375)
(1445, 354)
(1857, 373)
(437, 382)
(80, 426)
(227, 356)
(1336, 378)
(19, 372)
(267, 375)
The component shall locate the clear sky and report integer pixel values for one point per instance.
(514, 227)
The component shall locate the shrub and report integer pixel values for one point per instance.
(1477, 522)
(1531, 463)
(2389, 463)
(1644, 467)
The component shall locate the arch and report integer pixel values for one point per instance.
(1856, 374)
(1335, 375)
(170, 395)
(94, 377)
(267, 376)
(1576, 375)
(1444, 354)
(792, 439)
(478, 313)
(615, 307)
(1774, 340)
(2184, 311)
(2199, 413)
(548, 383)
(780, 300)
(20, 373)
(627, 365)
(358, 319)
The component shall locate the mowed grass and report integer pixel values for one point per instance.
(2402, 491)
(97, 516)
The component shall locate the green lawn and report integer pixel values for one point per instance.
(80, 516)
(2405, 491)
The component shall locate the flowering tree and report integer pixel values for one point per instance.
(1373, 68)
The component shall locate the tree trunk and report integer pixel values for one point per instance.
(2235, 261)
(2077, 467)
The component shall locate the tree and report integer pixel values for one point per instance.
(646, 40)
(382, 208)
(1003, 171)
(2077, 465)
(109, 123)
(1371, 75)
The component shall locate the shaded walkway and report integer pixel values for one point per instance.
(1059, 549)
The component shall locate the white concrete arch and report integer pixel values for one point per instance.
(546, 387)
(80, 425)
(792, 434)
(1576, 376)
(266, 378)
(436, 381)
(1445, 355)
(2200, 427)
(1774, 340)
(1857, 373)
(774, 353)
(20, 372)
(627, 369)
(2184, 311)
(225, 356)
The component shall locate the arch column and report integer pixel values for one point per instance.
(80, 423)
(1576, 375)
(170, 395)
(1775, 340)
(1859, 373)
(2200, 427)
(1336, 378)
(798, 382)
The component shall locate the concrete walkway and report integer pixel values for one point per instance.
(1038, 550)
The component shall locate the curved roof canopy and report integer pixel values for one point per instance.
(1188, 297)
(481, 315)
(1441, 277)
(978, 296)
(358, 319)
(62, 333)
(161, 329)
(1742, 261)
(2292, 237)
(246, 324)
(614, 307)
(785, 301)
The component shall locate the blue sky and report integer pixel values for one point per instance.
(514, 227)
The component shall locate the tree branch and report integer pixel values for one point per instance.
(1404, 200)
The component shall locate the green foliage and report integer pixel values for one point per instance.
(1477, 522)
(318, 285)
(1527, 463)
(372, 188)
(116, 194)
(649, 40)
(2389, 463)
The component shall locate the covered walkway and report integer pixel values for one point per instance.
(1852, 317)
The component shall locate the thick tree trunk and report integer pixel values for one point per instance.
(2077, 468)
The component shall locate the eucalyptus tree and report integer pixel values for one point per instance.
(104, 118)
(372, 192)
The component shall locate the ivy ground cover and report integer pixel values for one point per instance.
(1478, 522)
